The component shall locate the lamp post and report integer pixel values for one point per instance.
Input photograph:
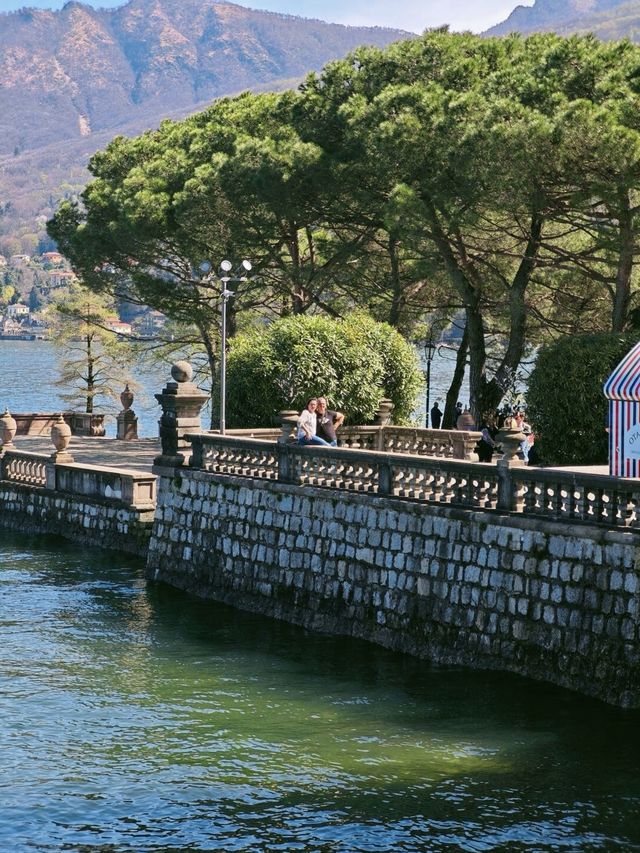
(225, 276)
(429, 351)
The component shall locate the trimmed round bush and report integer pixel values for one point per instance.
(565, 401)
(354, 363)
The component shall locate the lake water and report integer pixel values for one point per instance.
(137, 718)
(29, 369)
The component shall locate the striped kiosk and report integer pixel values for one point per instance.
(622, 389)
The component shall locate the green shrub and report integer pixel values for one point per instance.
(565, 401)
(354, 363)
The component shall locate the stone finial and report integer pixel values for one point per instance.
(8, 428)
(383, 415)
(60, 438)
(126, 398)
(182, 371)
(126, 421)
(466, 421)
(510, 437)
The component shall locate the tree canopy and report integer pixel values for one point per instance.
(354, 363)
(450, 174)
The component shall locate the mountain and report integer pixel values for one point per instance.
(70, 73)
(72, 79)
(608, 19)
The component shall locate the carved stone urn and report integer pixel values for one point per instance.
(8, 427)
(60, 438)
(126, 420)
(126, 398)
(384, 413)
(510, 437)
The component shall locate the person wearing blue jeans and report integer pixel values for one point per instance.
(307, 425)
(327, 422)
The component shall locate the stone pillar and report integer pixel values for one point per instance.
(8, 427)
(383, 415)
(510, 438)
(181, 401)
(288, 426)
(469, 441)
(126, 419)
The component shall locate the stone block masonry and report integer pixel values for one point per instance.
(88, 521)
(554, 601)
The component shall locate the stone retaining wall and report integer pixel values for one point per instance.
(95, 522)
(548, 600)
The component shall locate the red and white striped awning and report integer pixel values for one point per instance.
(624, 382)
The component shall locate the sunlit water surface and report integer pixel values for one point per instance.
(29, 370)
(137, 718)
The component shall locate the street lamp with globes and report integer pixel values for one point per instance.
(225, 276)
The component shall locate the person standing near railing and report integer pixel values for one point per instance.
(308, 424)
(436, 416)
(327, 422)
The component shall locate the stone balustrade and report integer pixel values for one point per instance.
(40, 423)
(441, 443)
(28, 469)
(133, 489)
(556, 495)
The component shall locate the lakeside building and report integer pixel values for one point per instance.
(17, 310)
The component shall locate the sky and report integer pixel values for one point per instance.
(412, 15)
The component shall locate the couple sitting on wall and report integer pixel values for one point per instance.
(317, 424)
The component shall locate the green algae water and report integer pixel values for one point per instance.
(136, 718)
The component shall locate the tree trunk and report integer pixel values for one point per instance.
(453, 394)
(90, 376)
(487, 394)
(397, 301)
(298, 298)
(622, 297)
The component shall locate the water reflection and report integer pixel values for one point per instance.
(135, 717)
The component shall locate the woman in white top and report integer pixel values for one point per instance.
(307, 425)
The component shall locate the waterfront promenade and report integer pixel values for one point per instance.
(107, 452)
(139, 455)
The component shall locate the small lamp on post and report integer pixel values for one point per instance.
(429, 351)
(225, 277)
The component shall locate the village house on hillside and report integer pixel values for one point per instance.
(52, 258)
(58, 278)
